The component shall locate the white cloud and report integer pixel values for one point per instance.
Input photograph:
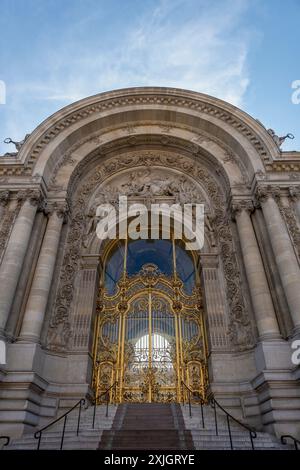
(192, 44)
(206, 52)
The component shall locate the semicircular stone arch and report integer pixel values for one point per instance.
(204, 182)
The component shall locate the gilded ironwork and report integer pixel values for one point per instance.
(150, 337)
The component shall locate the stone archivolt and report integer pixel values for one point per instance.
(104, 145)
(152, 99)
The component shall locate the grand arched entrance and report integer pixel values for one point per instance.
(154, 145)
(150, 336)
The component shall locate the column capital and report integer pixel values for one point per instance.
(263, 192)
(238, 206)
(4, 197)
(34, 196)
(294, 192)
(60, 208)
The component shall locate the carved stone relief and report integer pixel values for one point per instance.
(240, 328)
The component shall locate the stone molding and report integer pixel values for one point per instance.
(213, 110)
(192, 146)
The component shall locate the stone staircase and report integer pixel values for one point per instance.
(141, 426)
(88, 437)
(206, 439)
(147, 426)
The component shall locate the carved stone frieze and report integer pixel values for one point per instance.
(240, 328)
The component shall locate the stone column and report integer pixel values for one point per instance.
(4, 196)
(39, 293)
(283, 250)
(295, 196)
(259, 289)
(15, 252)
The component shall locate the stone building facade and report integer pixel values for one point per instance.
(51, 260)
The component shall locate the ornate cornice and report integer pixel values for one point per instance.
(154, 99)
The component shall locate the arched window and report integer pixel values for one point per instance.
(158, 252)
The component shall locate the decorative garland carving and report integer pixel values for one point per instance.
(240, 329)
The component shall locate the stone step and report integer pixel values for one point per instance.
(147, 426)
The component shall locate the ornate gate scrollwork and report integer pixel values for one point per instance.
(149, 338)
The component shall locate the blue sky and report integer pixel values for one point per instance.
(53, 52)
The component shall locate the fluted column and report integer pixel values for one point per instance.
(283, 250)
(259, 289)
(15, 252)
(39, 293)
(295, 196)
(4, 196)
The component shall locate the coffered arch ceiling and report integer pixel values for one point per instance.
(214, 131)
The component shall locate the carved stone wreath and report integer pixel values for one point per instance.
(240, 328)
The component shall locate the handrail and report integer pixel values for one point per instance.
(106, 393)
(252, 432)
(38, 434)
(288, 436)
(192, 393)
(214, 403)
(7, 438)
